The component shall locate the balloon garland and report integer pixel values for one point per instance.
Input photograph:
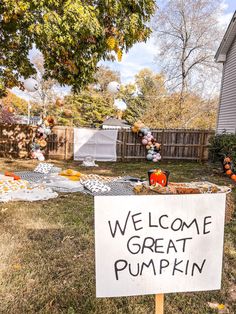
(228, 165)
(40, 140)
(147, 139)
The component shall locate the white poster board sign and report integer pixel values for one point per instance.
(158, 244)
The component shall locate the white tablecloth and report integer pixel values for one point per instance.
(99, 144)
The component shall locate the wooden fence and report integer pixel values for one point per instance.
(181, 144)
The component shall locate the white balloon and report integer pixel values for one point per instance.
(113, 87)
(31, 85)
(120, 104)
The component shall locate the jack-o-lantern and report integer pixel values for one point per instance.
(160, 177)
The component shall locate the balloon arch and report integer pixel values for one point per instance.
(147, 139)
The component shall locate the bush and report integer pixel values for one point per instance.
(222, 145)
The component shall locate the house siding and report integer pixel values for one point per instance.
(227, 107)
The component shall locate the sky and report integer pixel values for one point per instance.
(142, 55)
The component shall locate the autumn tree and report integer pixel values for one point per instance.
(73, 36)
(188, 34)
(195, 113)
(15, 102)
(157, 107)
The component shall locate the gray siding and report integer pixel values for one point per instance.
(227, 108)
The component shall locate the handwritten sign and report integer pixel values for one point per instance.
(158, 244)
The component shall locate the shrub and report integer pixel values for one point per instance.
(222, 145)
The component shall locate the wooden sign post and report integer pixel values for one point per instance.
(159, 304)
(156, 244)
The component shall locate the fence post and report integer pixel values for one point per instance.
(124, 144)
(162, 143)
(66, 143)
(202, 142)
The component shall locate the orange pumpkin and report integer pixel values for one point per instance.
(227, 159)
(227, 166)
(229, 172)
(233, 177)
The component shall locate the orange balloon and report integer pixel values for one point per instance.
(59, 102)
(134, 129)
(10, 109)
(68, 113)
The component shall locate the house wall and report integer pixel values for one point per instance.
(227, 107)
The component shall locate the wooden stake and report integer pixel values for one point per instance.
(159, 304)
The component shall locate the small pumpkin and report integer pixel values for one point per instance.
(227, 166)
(233, 177)
(229, 172)
(227, 159)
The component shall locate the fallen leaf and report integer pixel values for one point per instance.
(220, 306)
(16, 266)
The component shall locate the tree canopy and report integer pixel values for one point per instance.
(72, 35)
(86, 109)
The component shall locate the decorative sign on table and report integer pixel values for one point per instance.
(158, 244)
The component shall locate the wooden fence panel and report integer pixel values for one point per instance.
(60, 143)
(15, 140)
(177, 144)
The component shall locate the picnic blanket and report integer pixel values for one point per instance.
(117, 185)
(28, 195)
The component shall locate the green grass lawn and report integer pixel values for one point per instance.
(47, 251)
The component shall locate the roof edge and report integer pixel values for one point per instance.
(227, 40)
